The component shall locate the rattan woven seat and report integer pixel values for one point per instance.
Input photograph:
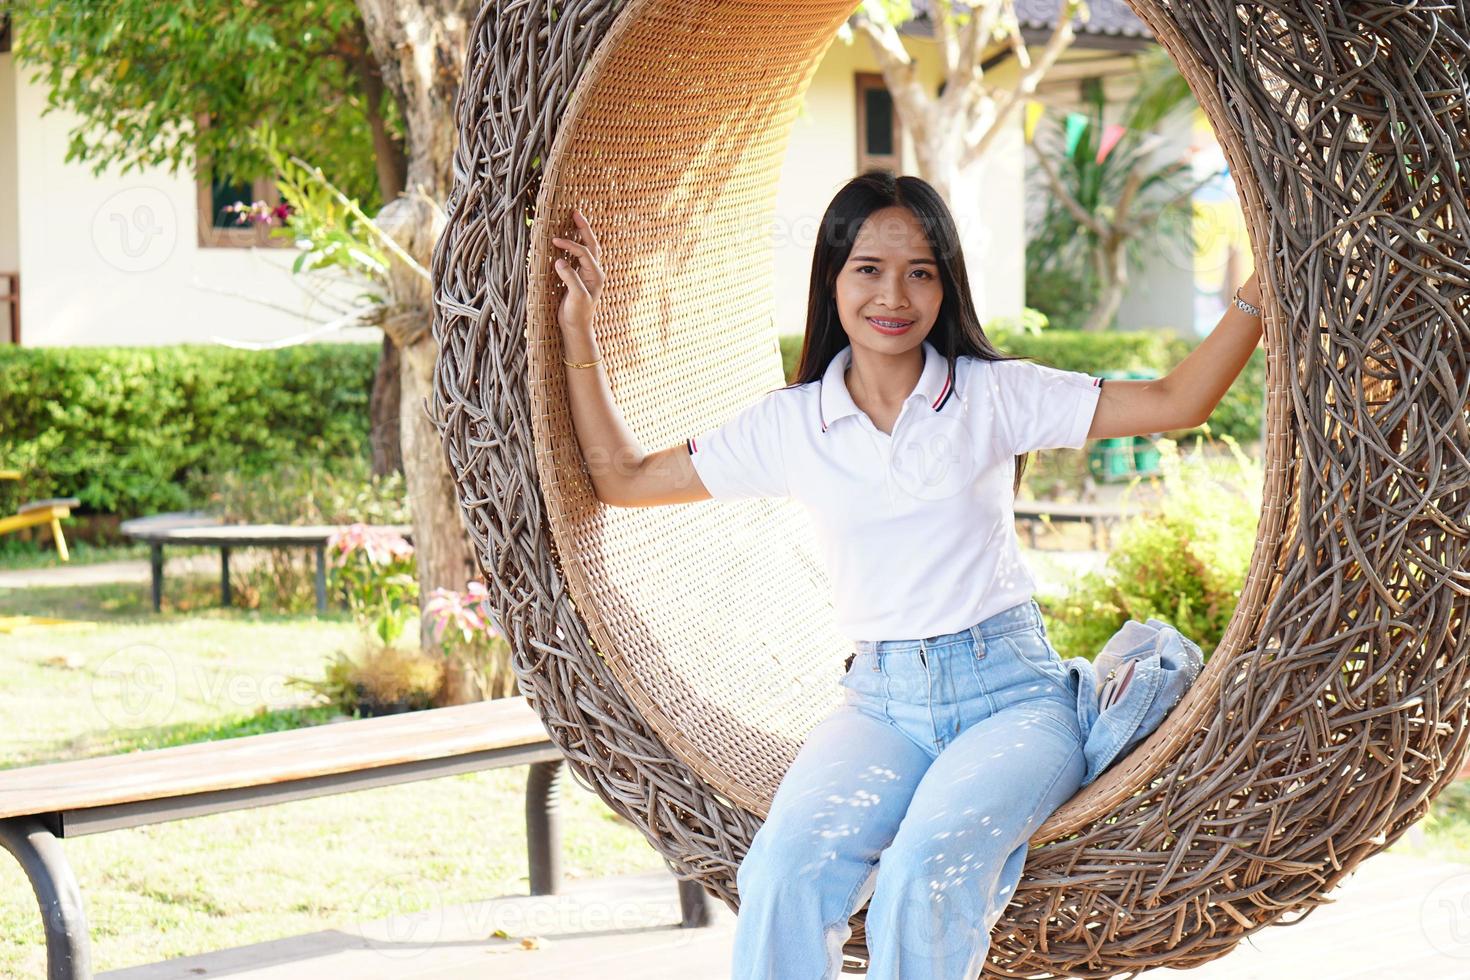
(678, 655)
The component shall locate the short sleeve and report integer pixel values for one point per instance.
(1041, 407)
(744, 457)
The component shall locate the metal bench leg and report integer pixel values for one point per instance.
(68, 948)
(543, 825)
(155, 559)
(224, 575)
(693, 904)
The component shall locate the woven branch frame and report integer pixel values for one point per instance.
(1333, 710)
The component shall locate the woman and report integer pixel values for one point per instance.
(958, 735)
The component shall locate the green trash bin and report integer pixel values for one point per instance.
(1116, 460)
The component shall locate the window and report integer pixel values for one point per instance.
(218, 228)
(879, 138)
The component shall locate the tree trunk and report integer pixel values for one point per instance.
(440, 542)
(960, 188)
(420, 51)
(1113, 267)
(383, 407)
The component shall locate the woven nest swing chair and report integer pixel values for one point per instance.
(679, 655)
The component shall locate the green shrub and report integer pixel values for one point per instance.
(1184, 563)
(305, 493)
(1238, 415)
(124, 428)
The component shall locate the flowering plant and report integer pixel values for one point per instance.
(476, 641)
(374, 568)
(260, 213)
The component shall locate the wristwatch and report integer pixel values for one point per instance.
(1247, 307)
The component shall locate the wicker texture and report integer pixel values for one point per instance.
(678, 655)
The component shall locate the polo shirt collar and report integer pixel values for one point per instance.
(936, 384)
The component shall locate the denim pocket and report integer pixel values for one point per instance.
(1031, 648)
(860, 675)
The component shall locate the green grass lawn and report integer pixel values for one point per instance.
(230, 879)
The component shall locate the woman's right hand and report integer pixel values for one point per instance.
(584, 283)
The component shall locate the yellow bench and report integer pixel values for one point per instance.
(38, 512)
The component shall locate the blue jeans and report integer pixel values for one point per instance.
(920, 792)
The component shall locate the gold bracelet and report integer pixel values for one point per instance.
(587, 365)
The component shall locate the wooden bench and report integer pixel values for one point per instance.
(1100, 516)
(208, 532)
(40, 804)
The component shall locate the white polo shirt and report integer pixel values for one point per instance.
(918, 527)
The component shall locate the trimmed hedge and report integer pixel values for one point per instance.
(123, 428)
(1238, 415)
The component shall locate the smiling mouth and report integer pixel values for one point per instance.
(889, 326)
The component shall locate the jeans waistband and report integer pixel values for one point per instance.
(1022, 616)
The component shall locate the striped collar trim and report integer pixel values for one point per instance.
(936, 385)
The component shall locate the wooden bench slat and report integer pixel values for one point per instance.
(59, 504)
(262, 532)
(255, 760)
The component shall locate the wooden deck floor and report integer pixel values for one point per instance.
(1395, 917)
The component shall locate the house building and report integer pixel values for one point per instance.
(150, 257)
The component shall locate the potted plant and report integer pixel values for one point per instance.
(374, 569)
(476, 652)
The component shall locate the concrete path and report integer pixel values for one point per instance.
(1395, 916)
(136, 570)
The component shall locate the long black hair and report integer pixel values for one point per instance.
(957, 331)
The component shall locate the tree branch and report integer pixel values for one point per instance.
(1077, 211)
(1007, 100)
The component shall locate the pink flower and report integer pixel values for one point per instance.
(467, 611)
(381, 544)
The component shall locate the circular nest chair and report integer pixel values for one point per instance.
(678, 655)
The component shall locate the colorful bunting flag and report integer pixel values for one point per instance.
(1034, 110)
(1110, 137)
(1076, 126)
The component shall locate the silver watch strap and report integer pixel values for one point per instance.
(1247, 307)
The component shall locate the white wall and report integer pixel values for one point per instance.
(114, 259)
(9, 230)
